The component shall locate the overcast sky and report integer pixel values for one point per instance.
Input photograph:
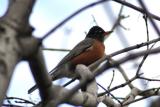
(48, 13)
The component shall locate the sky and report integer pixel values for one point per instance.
(49, 13)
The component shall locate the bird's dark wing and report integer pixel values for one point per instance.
(77, 50)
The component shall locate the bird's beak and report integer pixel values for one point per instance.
(107, 33)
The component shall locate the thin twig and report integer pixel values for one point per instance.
(9, 102)
(146, 22)
(53, 49)
(149, 16)
(137, 8)
(110, 94)
(13, 105)
(117, 22)
(134, 47)
(119, 86)
(121, 70)
(111, 79)
(148, 79)
(24, 100)
(136, 100)
(94, 20)
(144, 58)
(142, 62)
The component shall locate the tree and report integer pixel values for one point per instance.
(18, 43)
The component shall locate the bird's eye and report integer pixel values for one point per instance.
(96, 31)
(100, 31)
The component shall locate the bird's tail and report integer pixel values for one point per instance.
(35, 86)
(57, 73)
(32, 89)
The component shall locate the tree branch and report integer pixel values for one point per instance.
(91, 5)
(137, 8)
(11, 27)
(150, 17)
(38, 68)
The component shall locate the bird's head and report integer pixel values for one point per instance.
(98, 33)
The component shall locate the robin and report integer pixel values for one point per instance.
(86, 52)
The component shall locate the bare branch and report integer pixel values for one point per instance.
(110, 94)
(88, 98)
(78, 98)
(144, 58)
(145, 94)
(124, 50)
(125, 59)
(130, 98)
(21, 100)
(51, 49)
(107, 101)
(149, 16)
(122, 72)
(148, 79)
(119, 86)
(38, 68)
(147, 31)
(10, 28)
(111, 79)
(137, 9)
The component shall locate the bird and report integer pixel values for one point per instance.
(86, 52)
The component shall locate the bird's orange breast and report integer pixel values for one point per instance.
(90, 55)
